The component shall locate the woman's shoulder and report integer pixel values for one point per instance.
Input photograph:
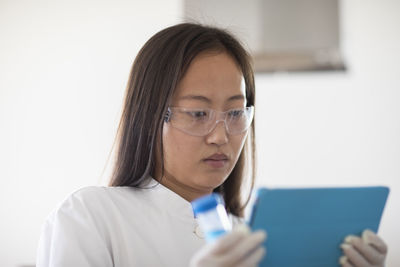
(94, 200)
(88, 194)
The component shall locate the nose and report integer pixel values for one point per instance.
(219, 134)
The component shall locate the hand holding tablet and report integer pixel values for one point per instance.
(367, 250)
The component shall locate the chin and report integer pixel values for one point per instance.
(214, 180)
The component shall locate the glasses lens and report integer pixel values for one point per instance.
(239, 120)
(192, 121)
(200, 122)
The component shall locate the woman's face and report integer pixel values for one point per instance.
(195, 165)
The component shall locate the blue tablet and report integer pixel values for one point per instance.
(306, 226)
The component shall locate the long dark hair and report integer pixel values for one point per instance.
(156, 71)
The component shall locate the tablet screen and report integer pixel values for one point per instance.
(306, 226)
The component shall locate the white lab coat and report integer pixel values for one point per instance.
(121, 226)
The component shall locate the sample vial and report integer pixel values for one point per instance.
(211, 215)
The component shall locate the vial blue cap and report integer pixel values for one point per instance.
(205, 203)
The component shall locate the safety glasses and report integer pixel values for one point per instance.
(201, 122)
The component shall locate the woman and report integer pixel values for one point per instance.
(186, 130)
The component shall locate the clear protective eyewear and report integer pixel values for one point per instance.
(202, 121)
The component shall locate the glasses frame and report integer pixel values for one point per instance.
(217, 115)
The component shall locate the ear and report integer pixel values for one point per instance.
(167, 116)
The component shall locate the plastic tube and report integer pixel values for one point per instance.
(211, 216)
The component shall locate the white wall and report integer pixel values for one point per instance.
(340, 128)
(63, 69)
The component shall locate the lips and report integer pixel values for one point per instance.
(217, 160)
(218, 156)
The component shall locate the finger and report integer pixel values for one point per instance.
(241, 228)
(226, 242)
(372, 239)
(245, 248)
(254, 258)
(343, 261)
(354, 256)
(372, 255)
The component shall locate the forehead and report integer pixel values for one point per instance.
(213, 75)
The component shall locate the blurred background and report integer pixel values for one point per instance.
(328, 94)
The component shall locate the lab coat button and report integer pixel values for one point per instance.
(199, 232)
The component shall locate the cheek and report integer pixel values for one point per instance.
(238, 142)
(180, 150)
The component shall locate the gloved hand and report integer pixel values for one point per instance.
(369, 250)
(237, 248)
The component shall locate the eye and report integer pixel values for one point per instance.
(236, 113)
(198, 114)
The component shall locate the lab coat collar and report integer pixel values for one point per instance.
(171, 201)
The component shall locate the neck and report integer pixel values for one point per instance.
(187, 192)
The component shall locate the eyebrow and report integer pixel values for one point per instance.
(205, 99)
